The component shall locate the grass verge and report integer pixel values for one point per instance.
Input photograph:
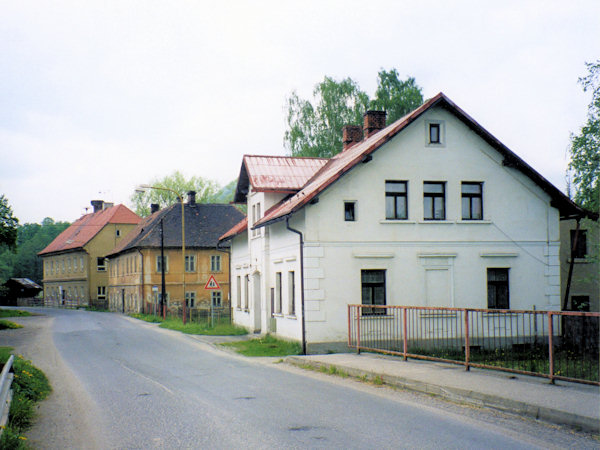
(266, 346)
(30, 386)
(223, 328)
(13, 313)
(147, 317)
(6, 324)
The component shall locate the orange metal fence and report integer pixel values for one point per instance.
(551, 344)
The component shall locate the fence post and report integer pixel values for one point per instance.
(550, 347)
(467, 341)
(358, 329)
(404, 333)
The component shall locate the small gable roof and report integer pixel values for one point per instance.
(204, 223)
(283, 174)
(86, 227)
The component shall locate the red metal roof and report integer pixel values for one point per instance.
(88, 226)
(280, 173)
(238, 228)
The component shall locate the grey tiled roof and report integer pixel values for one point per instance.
(204, 224)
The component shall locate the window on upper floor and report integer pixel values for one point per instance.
(238, 294)
(101, 264)
(246, 292)
(434, 200)
(497, 286)
(396, 200)
(349, 211)
(472, 200)
(215, 263)
(579, 250)
(256, 216)
(159, 263)
(190, 263)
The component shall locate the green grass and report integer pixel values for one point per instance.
(13, 313)
(267, 346)
(30, 386)
(5, 324)
(223, 328)
(147, 317)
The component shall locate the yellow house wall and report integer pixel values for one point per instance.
(66, 272)
(126, 287)
(97, 247)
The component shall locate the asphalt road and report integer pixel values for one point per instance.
(121, 383)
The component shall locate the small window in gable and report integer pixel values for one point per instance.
(434, 133)
(350, 211)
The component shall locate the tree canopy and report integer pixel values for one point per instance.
(315, 128)
(31, 239)
(207, 191)
(585, 146)
(8, 225)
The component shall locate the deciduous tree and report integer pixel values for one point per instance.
(206, 192)
(8, 225)
(315, 128)
(585, 146)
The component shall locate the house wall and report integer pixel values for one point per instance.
(429, 263)
(586, 271)
(127, 282)
(65, 278)
(107, 239)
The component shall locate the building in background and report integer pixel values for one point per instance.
(75, 271)
(135, 265)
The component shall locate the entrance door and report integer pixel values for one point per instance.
(123, 300)
(256, 302)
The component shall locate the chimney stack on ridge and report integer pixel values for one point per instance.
(154, 207)
(97, 205)
(191, 198)
(351, 134)
(374, 121)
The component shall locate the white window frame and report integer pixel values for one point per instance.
(190, 263)
(216, 299)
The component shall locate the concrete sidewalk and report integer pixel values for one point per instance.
(573, 404)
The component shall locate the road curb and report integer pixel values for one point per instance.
(474, 398)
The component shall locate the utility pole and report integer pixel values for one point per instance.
(162, 271)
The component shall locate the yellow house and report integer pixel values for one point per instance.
(75, 272)
(135, 265)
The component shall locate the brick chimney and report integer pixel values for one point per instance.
(97, 205)
(374, 121)
(154, 207)
(351, 134)
(191, 198)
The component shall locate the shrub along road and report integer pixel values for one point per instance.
(122, 383)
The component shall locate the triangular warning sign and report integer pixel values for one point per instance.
(212, 283)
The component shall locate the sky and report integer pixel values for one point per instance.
(98, 97)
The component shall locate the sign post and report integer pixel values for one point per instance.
(212, 284)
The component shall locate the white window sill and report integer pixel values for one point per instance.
(277, 315)
(475, 222)
(401, 221)
(291, 316)
(438, 222)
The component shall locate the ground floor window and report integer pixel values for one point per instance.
(373, 290)
(216, 298)
(101, 292)
(497, 284)
(190, 299)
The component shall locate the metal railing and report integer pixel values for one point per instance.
(6, 378)
(558, 345)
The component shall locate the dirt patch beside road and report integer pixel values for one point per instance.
(68, 418)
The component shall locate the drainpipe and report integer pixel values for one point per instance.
(299, 233)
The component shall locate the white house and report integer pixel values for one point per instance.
(431, 210)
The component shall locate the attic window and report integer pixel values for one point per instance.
(118, 232)
(434, 133)
(349, 211)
